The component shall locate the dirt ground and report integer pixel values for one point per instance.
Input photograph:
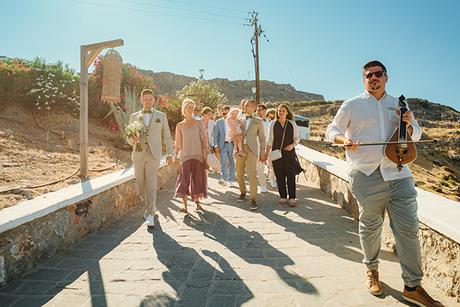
(31, 156)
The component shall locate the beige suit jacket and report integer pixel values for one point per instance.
(254, 136)
(157, 131)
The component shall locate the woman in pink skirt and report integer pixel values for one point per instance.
(191, 152)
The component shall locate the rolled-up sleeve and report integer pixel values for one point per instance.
(340, 123)
(416, 130)
(296, 133)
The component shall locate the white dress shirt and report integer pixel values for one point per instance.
(210, 129)
(247, 123)
(147, 119)
(366, 119)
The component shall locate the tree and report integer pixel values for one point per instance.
(203, 93)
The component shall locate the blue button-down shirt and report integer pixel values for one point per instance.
(366, 119)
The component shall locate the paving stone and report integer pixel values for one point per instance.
(34, 287)
(7, 300)
(221, 300)
(229, 287)
(193, 297)
(228, 256)
(32, 301)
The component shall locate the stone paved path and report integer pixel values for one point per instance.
(228, 256)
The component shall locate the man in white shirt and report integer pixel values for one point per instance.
(261, 112)
(376, 182)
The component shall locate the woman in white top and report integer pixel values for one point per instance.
(207, 114)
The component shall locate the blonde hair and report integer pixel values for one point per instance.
(185, 103)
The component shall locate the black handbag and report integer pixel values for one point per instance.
(297, 167)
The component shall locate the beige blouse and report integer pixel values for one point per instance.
(192, 142)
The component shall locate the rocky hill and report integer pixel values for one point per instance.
(169, 83)
(437, 167)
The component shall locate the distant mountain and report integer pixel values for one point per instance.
(169, 83)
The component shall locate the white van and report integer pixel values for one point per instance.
(304, 126)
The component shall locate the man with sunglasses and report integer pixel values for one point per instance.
(376, 182)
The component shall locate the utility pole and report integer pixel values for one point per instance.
(255, 50)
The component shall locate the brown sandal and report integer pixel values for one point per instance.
(199, 207)
(183, 210)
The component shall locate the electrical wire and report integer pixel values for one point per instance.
(180, 9)
(281, 59)
(206, 6)
(156, 12)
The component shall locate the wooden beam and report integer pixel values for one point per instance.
(91, 56)
(106, 44)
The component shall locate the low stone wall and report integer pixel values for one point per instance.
(440, 252)
(31, 242)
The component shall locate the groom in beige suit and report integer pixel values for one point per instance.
(147, 161)
(254, 142)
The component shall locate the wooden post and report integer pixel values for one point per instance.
(83, 114)
(88, 54)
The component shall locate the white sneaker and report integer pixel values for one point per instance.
(263, 190)
(150, 221)
(273, 183)
(222, 182)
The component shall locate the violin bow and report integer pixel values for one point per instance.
(379, 143)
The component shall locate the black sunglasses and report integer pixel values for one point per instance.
(378, 74)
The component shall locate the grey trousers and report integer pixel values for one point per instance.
(398, 197)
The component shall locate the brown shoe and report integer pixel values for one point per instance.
(241, 198)
(373, 282)
(419, 297)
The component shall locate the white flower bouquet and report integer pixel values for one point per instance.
(136, 129)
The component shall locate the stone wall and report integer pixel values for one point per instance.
(440, 254)
(22, 247)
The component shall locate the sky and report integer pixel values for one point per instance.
(316, 46)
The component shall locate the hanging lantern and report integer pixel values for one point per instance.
(111, 78)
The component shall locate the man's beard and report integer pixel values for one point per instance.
(374, 85)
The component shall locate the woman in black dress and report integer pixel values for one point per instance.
(285, 167)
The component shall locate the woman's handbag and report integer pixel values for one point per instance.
(276, 154)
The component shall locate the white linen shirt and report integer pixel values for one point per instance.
(366, 119)
(147, 119)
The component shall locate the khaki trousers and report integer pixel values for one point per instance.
(145, 171)
(248, 165)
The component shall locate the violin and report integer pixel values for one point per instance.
(400, 149)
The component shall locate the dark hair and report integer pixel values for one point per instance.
(225, 107)
(147, 91)
(289, 116)
(375, 63)
(206, 110)
(262, 106)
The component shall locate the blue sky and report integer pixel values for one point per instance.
(317, 46)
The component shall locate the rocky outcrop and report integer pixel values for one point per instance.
(168, 84)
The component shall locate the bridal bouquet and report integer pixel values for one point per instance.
(136, 129)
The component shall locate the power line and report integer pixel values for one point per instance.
(156, 12)
(281, 59)
(180, 9)
(207, 6)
